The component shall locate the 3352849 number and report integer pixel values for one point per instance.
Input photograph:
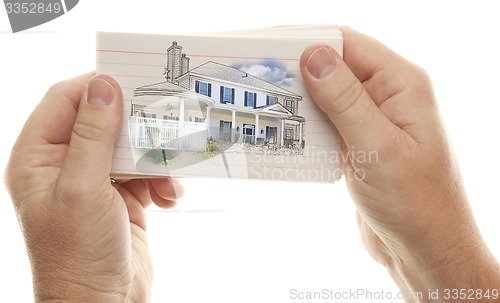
(470, 294)
(33, 8)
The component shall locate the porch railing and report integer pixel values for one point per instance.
(231, 136)
(248, 139)
(151, 133)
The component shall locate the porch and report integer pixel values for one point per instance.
(152, 133)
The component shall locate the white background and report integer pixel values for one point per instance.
(240, 241)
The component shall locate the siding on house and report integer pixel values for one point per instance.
(239, 93)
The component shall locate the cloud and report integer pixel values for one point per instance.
(269, 72)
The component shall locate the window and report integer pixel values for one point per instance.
(203, 88)
(199, 120)
(153, 116)
(271, 100)
(250, 99)
(225, 125)
(226, 95)
(289, 105)
(165, 117)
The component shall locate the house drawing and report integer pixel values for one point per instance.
(215, 101)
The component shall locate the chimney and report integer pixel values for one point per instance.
(173, 62)
(184, 64)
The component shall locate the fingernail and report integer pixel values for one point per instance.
(321, 63)
(100, 92)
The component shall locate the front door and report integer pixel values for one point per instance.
(225, 131)
(271, 134)
(288, 137)
(249, 133)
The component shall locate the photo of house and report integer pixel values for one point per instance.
(213, 101)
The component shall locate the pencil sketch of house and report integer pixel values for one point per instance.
(215, 101)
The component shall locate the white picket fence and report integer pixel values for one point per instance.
(154, 133)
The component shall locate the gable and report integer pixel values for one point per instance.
(275, 108)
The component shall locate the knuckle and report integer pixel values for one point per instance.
(8, 177)
(422, 74)
(90, 131)
(421, 78)
(419, 90)
(346, 97)
(57, 88)
(16, 177)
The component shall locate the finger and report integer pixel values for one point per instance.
(382, 71)
(365, 55)
(165, 191)
(162, 192)
(343, 98)
(94, 133)
(53, 118)
(167, 188)
(401, 89)
(140, 189)
(160, 201)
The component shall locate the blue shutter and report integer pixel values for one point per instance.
(254, 100)
(210, 89)
(197, 86)
(232, 96)
(221, 94)
(246, 98)
(267, 100)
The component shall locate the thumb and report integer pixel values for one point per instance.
(97, 126)
(338, 92)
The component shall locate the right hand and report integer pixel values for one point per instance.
(413, 211)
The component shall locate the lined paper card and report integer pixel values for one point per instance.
(224, 105)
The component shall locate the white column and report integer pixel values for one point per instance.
(257, 130)
(301, 132)
(137, 132)
(233, 126)
(181, 112)
(181, 121)
(282, 140)
(207, 121)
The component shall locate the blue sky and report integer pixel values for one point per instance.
(270, 71)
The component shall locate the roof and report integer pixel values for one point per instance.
(230, 74)
(163, 89)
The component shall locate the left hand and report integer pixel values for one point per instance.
(85, 236)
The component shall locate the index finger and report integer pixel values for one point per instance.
(365, 55)
(382, 71)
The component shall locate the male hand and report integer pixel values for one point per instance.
(85, 235)
(413, 211)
